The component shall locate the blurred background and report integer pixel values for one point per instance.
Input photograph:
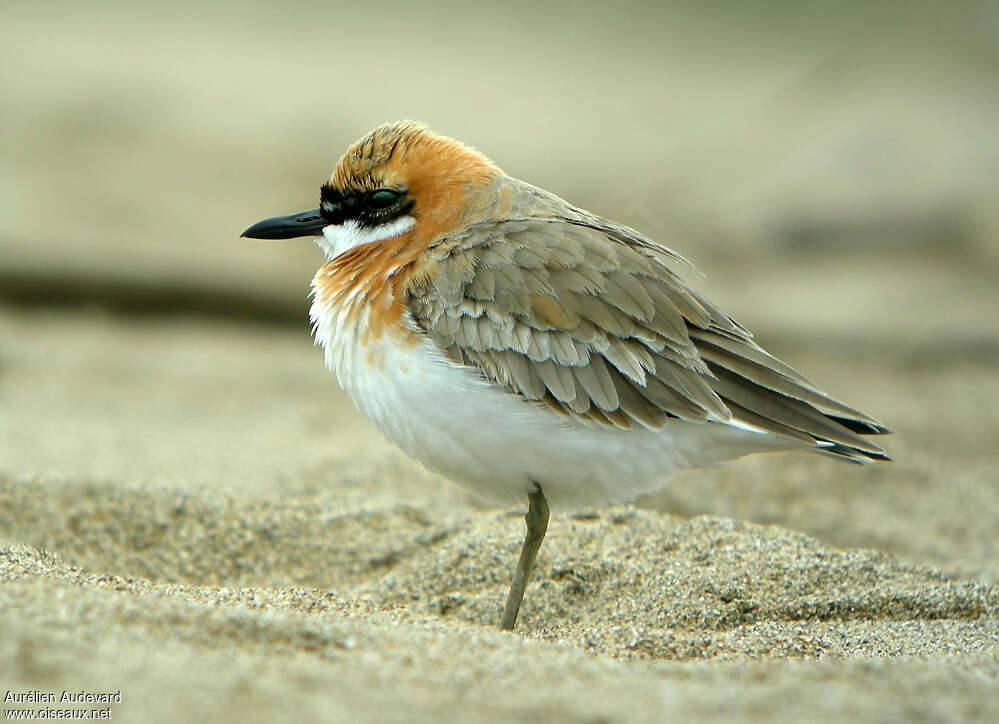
(830, 166)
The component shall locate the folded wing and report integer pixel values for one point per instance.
(587, 318)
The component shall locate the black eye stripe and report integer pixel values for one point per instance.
(368, 208)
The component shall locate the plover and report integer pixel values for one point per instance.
(523, 346)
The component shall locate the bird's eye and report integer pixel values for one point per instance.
(382, 198)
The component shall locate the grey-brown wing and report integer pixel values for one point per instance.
(588, 318)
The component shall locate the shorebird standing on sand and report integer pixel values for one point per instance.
(523, 346)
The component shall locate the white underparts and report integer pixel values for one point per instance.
(338, 238)
(459, 424)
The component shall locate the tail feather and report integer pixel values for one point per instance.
(810, 421)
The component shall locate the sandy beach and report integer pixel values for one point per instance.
(193, 516)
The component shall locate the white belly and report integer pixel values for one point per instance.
(460, 425)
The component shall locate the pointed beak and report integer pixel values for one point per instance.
(304, 223)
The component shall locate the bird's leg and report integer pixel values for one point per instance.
(537, 525)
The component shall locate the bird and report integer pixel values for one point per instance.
(520, 345)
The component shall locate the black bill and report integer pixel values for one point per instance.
(304, 223)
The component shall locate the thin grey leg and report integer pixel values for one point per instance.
(537, 525)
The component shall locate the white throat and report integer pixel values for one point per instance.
(338, 238)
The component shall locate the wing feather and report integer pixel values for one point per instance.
(595, 381)
(588, 318)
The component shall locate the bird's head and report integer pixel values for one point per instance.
(400, 179)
